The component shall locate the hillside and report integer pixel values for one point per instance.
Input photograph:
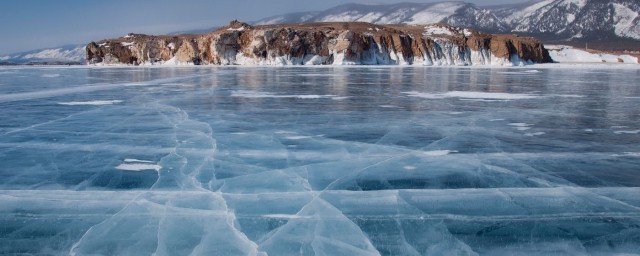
(330, 43)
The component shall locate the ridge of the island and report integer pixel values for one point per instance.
(334, 43)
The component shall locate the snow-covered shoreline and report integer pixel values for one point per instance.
(568, 54)
(594, 65)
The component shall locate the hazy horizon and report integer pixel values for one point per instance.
(35, 24)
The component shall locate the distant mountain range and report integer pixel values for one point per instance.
(611, 24)
(549, 19)
(69, 54)
(453, 13)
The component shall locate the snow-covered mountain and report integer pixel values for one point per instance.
(454, 13)
(555, 19)
(576, 19)
(70, 54)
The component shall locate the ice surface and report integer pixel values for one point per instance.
(319, 161)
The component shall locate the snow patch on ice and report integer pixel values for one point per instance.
(136, 167)
(298, 137)
(628, 154)
(525, 72)
(133, 160)
(521, 126)
(90, 103)
(472, 95)
(439, 152)
(627, 132)
(259, 95)
(285, 216)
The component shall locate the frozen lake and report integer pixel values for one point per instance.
(319, 161)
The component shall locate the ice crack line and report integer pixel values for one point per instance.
(193, 152)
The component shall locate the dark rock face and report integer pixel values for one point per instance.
(339, 43)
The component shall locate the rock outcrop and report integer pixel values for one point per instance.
(338, 43)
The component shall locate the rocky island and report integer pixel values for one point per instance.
(334, 43)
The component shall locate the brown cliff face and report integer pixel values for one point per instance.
(322, 43)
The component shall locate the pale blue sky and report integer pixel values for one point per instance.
(32, 24)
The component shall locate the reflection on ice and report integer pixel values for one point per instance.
(338, 161)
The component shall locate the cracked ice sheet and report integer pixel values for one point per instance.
(277, 164)
(168, 224)
(417, 222)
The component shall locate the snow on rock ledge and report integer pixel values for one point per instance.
(336, 43)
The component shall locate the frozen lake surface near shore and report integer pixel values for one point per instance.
(365, 160)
